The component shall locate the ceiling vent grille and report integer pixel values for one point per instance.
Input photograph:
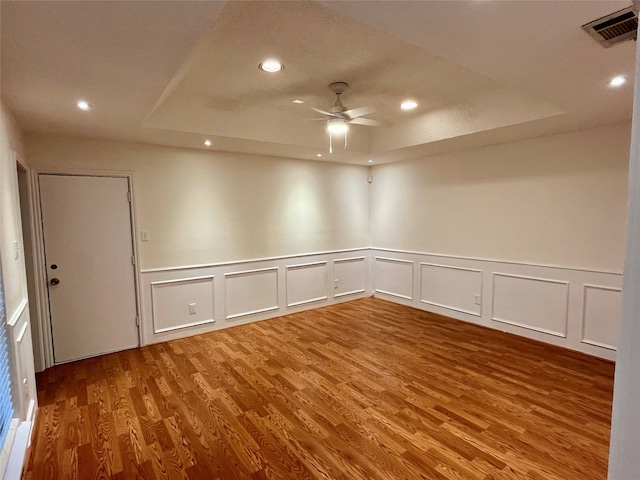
(615, 28)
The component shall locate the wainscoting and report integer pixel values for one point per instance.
(182, 301)
(24, 401)
(574, 308)
(21, 348)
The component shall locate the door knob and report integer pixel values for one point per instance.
(55, 281)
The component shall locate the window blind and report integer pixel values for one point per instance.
(6, 403)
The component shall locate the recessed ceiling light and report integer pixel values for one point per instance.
(617, 81)
(318, 155)
(408, 105)
(82, 105)
(298, 101)
(369, 161)
(207, 143)
(271, 66)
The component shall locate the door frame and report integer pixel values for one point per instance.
(32, 248)
(39, 256)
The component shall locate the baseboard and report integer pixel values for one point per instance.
(19, 451)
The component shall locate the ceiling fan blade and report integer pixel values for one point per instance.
(359, 112)
(321, 111)
(365, 121)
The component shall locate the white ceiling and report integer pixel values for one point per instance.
(175, 73)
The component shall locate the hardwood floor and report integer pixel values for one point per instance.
(361, 390)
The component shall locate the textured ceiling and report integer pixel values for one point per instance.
(175, 73)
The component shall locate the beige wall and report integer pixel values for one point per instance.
(203, 207)
(557, 200)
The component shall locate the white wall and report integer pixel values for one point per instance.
(241, 237)
(16, 297)
(13, 268)
(525, 237)
(554, 200)
(624, 461)
(201, 207)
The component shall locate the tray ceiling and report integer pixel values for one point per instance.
(175, 73)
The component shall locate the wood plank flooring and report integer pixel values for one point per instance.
(361, 390)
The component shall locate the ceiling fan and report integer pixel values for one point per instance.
(338, 117)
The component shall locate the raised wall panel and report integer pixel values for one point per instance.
(306, 283)
(450, 287)
(602, 314)
(251, 291)
(170, 301)
(535, 303)
(394, 277)
(21, 359)
(349, 276)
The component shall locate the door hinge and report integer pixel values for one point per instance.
(137, 321)
(129, 197)
(133, 259)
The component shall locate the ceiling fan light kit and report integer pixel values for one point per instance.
(339, 117)
(337, 125)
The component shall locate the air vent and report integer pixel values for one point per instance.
(615, 28)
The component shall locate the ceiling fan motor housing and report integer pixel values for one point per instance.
(338, 87)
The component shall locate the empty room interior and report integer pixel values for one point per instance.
(319, 240)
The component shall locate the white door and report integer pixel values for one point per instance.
(88, 246)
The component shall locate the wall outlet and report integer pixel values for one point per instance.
(144, 235)
(192, 309)
(335, 284)
(476, 299)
